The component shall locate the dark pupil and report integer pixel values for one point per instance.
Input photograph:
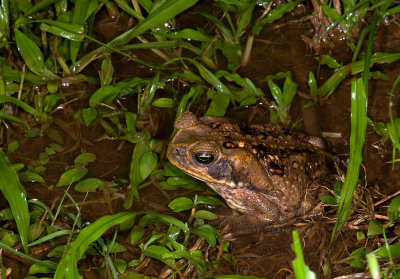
(204, 157)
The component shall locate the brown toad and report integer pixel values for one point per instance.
(265, 172)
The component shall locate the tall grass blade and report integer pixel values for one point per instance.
(15, 194)
(357, 138)
(359, 104)
(67, 267)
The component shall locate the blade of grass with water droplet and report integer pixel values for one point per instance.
(15, 194)
(66, 30)
(359, 105)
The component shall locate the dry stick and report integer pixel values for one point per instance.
(387, 198)
(156, 51)
(137, 7)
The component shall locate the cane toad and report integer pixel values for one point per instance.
(265, 172)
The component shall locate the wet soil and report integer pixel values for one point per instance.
(280, 47)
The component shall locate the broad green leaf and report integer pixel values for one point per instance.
(89, 115)
(30, 52)
(312, 83)
(155, 251)
(181, 204)
(104, 95)
(148, 163)
(289, 90)
(106, 72)
(135, 175)
(164, 103)
(205, 232)
(35, 230)
(88, 185)
(71, 176)
(12, 146)
(120, 264)
(84, 159)
(136, 234)
(29, 176)
(207, 200)
(374, 228)
(16, 196)
(205, 214)
(218, 105)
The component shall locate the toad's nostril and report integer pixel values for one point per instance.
(179, 150)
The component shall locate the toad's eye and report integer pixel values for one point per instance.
(204, 158)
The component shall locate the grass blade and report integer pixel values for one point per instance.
(67, 267)
(357, 138)
(15, 194)
(359, 105)
(24, 106)
(164, 12)
(47, 264)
